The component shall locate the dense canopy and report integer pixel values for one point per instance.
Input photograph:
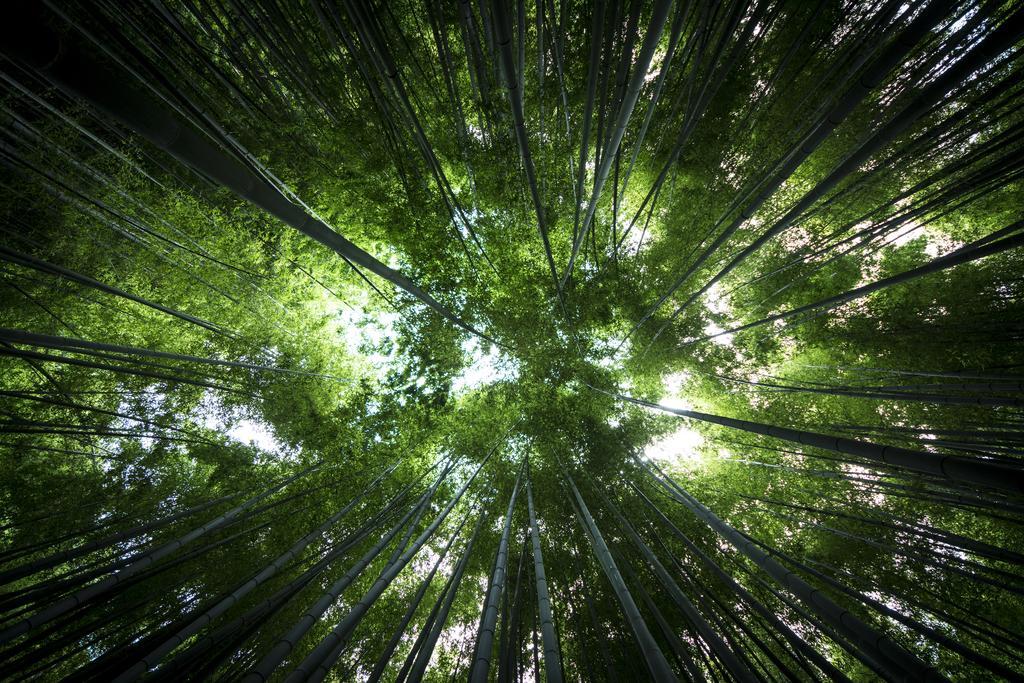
(551, 340)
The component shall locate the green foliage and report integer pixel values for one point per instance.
(392, 124)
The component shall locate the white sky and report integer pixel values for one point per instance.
(482, 368)
(724, 340)
(717, 303)
(369, 332)
(241, 429)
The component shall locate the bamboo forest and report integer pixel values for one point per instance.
(492, 340)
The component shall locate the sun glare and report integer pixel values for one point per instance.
(680, 449)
